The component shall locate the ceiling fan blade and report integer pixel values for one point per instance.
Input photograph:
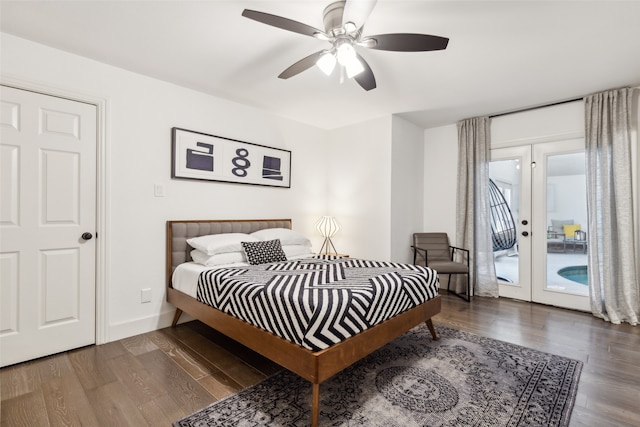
(280, 22)
(408, 42)
(302, 65)
(366, 78)
(358, 11)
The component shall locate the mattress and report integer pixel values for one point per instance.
(185, 276)
(313, 302)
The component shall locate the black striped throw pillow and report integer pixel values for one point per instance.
(264, 252)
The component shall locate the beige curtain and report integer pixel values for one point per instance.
(613, 285)
(473, 223)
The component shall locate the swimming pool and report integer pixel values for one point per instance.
(576, 273)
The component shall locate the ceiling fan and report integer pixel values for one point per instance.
(344, 22)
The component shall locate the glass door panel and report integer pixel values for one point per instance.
(513, 265)
(560, 182)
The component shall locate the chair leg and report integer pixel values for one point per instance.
(468, 289)
(468, 298)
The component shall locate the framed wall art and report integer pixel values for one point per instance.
(201, 156)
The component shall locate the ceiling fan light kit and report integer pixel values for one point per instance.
(354, 67)
(346, 56)
(327, 62)
(341, 30)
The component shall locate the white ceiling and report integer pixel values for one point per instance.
(502, 55)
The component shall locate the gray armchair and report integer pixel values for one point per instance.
(434, 251)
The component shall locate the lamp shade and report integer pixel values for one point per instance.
(327, 63)
(345, 53)
(354, 67)
(327, 226)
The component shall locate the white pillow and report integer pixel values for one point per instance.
(221, 243)
(296, 250)
(219, 259)
(286, 236)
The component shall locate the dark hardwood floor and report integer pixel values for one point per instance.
(158, 377)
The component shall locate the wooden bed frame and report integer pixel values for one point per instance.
(315, 367)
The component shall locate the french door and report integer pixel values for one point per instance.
(544, 186)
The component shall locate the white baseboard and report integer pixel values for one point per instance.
(139, 326)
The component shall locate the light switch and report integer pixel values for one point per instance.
(145, 295)
(158, 190)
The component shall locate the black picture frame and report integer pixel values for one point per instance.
(205, 157)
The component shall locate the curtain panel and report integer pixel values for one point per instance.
(613, 282)
(473, 223)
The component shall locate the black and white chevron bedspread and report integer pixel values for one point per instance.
(317, 302)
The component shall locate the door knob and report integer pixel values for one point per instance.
(87, 236)
(525, 233)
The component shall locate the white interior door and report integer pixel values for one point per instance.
(47, 203)
(544, 185)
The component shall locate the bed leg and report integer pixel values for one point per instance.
(315, 405)
(176, 317)
(432, 330)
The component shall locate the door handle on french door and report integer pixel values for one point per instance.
(87, 236)
(525, 233)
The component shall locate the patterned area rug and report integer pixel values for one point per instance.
(461, 380)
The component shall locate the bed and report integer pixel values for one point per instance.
(315, 363)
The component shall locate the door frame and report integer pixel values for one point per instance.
(102, 193)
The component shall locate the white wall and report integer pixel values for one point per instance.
(140, 114)
(440, 179)
(376, 188)
(554, 123)
(359, 188)
(407, 187)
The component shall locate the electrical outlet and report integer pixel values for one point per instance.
(145, 295)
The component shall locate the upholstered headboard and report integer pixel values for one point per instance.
(179, 251)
